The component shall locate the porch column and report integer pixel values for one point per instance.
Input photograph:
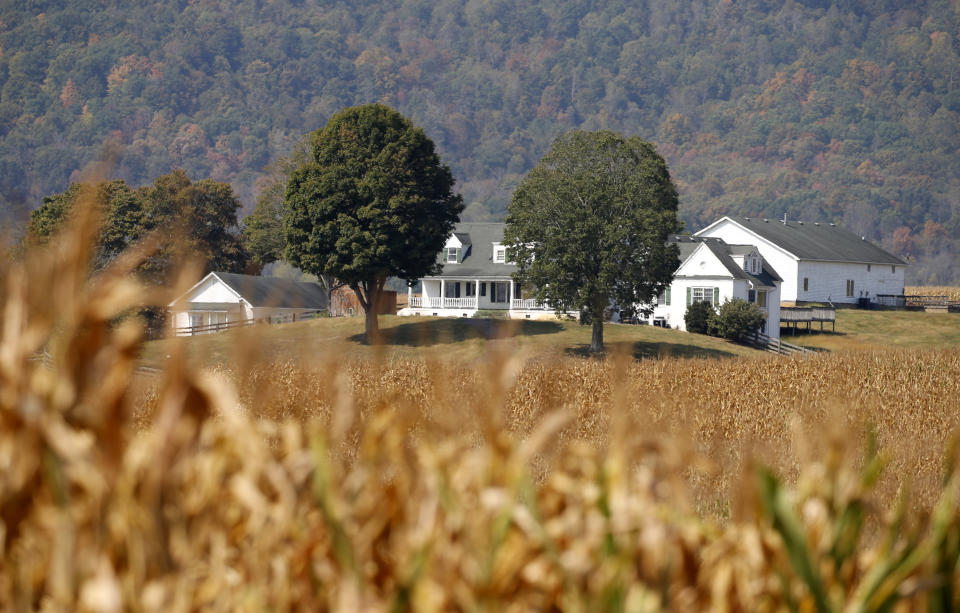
(409, 296)
(476, 292)
(510, 304)
(443, 292)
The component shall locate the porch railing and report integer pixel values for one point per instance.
(442, 303)
(528, 304)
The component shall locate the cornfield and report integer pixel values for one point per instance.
(952, 293)
(514, 483)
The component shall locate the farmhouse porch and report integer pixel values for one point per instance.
(464, 297)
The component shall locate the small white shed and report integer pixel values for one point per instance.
(223, 299)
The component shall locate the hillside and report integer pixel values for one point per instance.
(846, 111)
(441, 339)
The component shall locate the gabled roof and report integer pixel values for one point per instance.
(724, 253)
(825, 242)
(478, 259)
(270, 291)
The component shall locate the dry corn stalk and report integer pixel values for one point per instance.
(562, 486)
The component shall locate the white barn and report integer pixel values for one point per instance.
(222, 298)
(819, 262)
(713, 271)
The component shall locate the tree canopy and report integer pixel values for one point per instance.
(198, 220)
(375, 201)
(588, 225)
(845, 112)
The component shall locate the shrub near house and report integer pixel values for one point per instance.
(736, 319)
(698, 316)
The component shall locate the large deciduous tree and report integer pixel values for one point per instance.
(197, 219)
(374, 202)
(121, 213)
(588, 225)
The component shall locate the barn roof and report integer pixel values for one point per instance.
(824, 242)
(269, 291)
(276, 292)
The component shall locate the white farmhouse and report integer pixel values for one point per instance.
(223, 298)
(476, 276)
(819, 262)
(713, 271)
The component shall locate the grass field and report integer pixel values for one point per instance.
(865, 330)
(468, 339)
(448, 338)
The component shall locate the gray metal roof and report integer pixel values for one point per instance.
(276, 292)
(478, 259)
(724, 252)
(818, 241)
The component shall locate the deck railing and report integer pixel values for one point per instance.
(808, 315)
(460, 303)
(431, 302)
(528, 304)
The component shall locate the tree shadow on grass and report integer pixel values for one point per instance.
(640, 350)
(447, 331)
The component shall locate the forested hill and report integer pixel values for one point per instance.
(846, 111)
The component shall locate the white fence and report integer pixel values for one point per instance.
(442, 303)
(528, 304)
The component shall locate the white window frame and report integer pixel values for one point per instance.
(706, 295)
(499, 254)
(453, 252)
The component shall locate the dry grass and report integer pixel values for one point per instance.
(952, 293)
(508, 484)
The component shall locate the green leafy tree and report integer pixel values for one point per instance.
(736, 319)
(263, 236)
(374, 202)
(588, 225)
(122, 224)
(196, 219)
(202, 222)
(263, 231)
(699, 317)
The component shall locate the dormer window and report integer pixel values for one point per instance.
(453, 255)
(499, 254)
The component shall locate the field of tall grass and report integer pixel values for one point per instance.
(512, 482)
(951, 292)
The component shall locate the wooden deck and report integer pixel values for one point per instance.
(809, 315)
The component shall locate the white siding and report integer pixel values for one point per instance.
(212, 290)
(828, 281)
(675, 312)
(783, 263)
(702, 263)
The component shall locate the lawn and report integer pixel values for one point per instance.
(437, 337)
(858, 330)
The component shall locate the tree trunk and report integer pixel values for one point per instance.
(372, 325)
(368, 293)
(596, 340)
